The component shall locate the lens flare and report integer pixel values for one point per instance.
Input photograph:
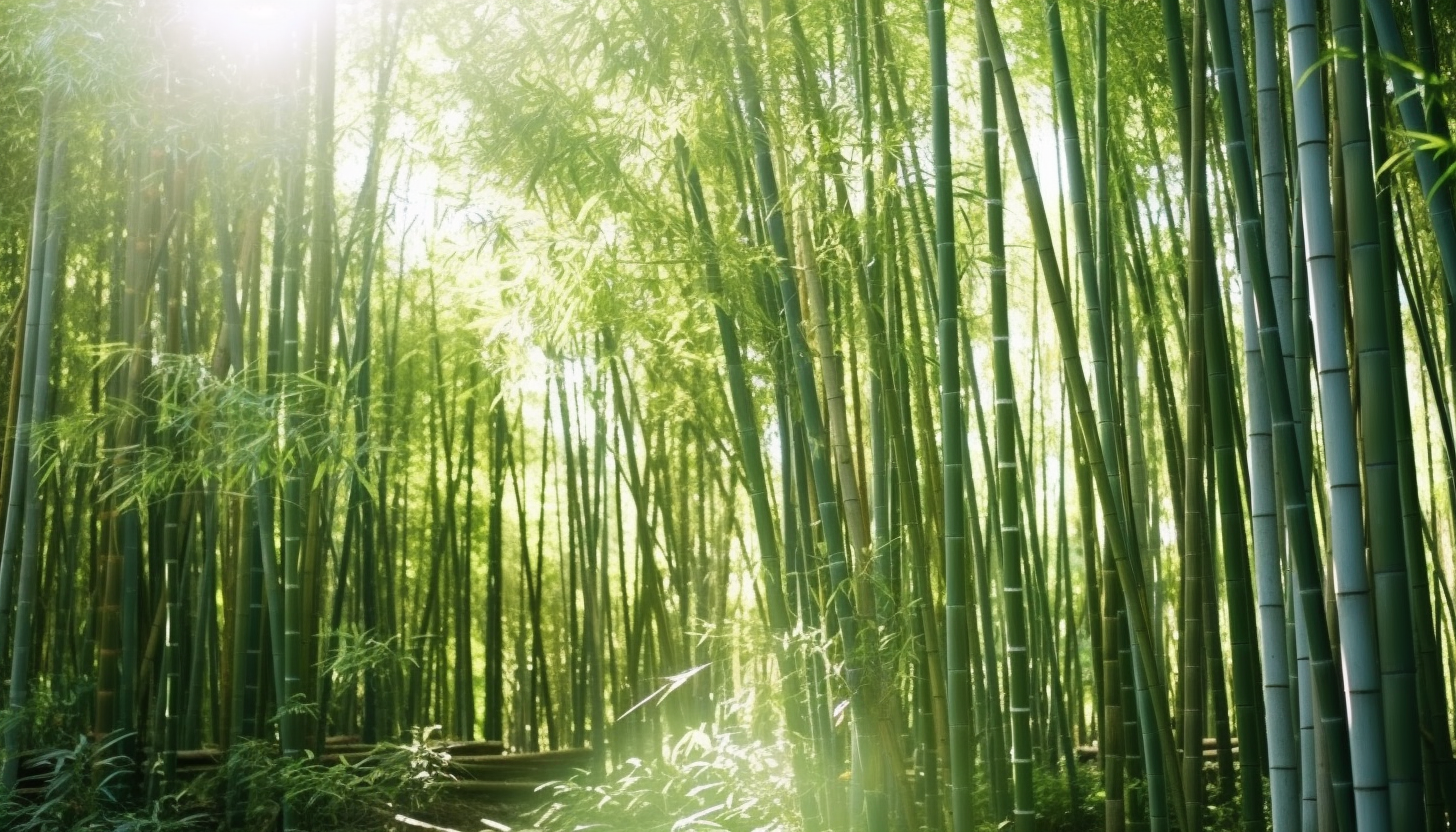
(245, 27)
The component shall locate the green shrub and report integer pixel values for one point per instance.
(348, 796)
(720, 781)
(84, 792)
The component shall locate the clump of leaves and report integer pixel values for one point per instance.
(707, 781)
(83, 791)
(356, 653)
(1056, 811)
(339, 795)
(52, 716)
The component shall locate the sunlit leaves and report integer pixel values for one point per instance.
(708, 780)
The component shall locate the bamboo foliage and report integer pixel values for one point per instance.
(560, 375)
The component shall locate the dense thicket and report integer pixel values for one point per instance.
(955, 399)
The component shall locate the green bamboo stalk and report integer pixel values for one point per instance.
(984, 544)
(1394, 654)
(1437, 734)
(1008, 513)
(1190, 637)
(38, 347)
(1109, 682)
(1130, 575)
(1299, 523)
(23, 385)
(1097, 328)
(1423, 722)
(1409, 102)
(1242, 630)
(839, 573)
(952, 428)
(293, 660)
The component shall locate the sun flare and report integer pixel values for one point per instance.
(245, 27)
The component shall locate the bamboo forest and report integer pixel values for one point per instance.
(753, 415)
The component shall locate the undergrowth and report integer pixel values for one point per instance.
(706, 781)
(85, 790)
(93, 787)
(346, 796)
(726, 781)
